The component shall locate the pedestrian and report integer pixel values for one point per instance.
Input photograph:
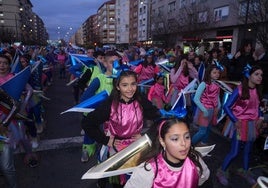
(61, 59)
(122, 116)
(34, 108)
(171, 161)
(157, 93)
(243, 57)
(147, 69)
(7, 165)
(242, 107)
(207, 101)
(180, 76)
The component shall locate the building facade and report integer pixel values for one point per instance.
(122, 21)
(19, 24)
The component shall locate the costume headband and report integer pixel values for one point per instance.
(117, 69)
(219, 66)
(247, 70)
(160, 128)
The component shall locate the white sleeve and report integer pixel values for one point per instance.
(141, 177)
(206, 172)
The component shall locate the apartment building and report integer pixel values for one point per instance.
(19, 24)
(107, 23)
(208, 22)
(122, 15)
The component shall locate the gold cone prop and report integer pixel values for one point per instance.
(122, 162)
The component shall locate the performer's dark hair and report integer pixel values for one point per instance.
(153, 133)
(245, 88)
(6, 57)
(207, 76)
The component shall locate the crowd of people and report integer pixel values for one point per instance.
(144, 86)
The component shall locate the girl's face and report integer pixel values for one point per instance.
(247, 48)
(160, 80)
(215, 74)
(196, 61)
(150, 59)
(4, 66)
(255, 78)
(127, 87)
(23, 62)
(108, 64)
(177, 142)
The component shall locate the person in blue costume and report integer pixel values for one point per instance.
(243, 110)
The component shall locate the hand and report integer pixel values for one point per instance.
(136, 136)
(237, 55)
(111, 141)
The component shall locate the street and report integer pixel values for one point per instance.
(60, 149)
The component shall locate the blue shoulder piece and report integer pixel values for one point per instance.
(229, 103)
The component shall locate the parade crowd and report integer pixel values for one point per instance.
(165, 93)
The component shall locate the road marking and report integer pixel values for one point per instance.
(60, 143)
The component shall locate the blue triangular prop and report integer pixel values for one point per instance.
(136, 62)
(180, 106)
(16, 85)
(91, 102)
(81, 58)
(147, 82)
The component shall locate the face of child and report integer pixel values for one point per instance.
(215, 74)
(160, 80)
(177, 142)
(127, 87)
(247, 48)
(196, 61)
(100, 58)
(150, 59)
(255, 78)
(109, 64)
(23, 62)
(4, 66)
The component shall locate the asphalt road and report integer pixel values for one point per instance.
(60, 150)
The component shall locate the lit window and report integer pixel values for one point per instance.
(221, 13)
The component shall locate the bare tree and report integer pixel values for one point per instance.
(193, 21)
(254, 14)
(159, 28)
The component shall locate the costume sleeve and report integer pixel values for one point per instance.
(198, 93)
(175, 75)
(150, 93)
(29, 92)
(193, 73)
(141, 177)
(138, 69)
(156, 70)
(229, 103)
(91, 89)
(91, 123)
(206, 172)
